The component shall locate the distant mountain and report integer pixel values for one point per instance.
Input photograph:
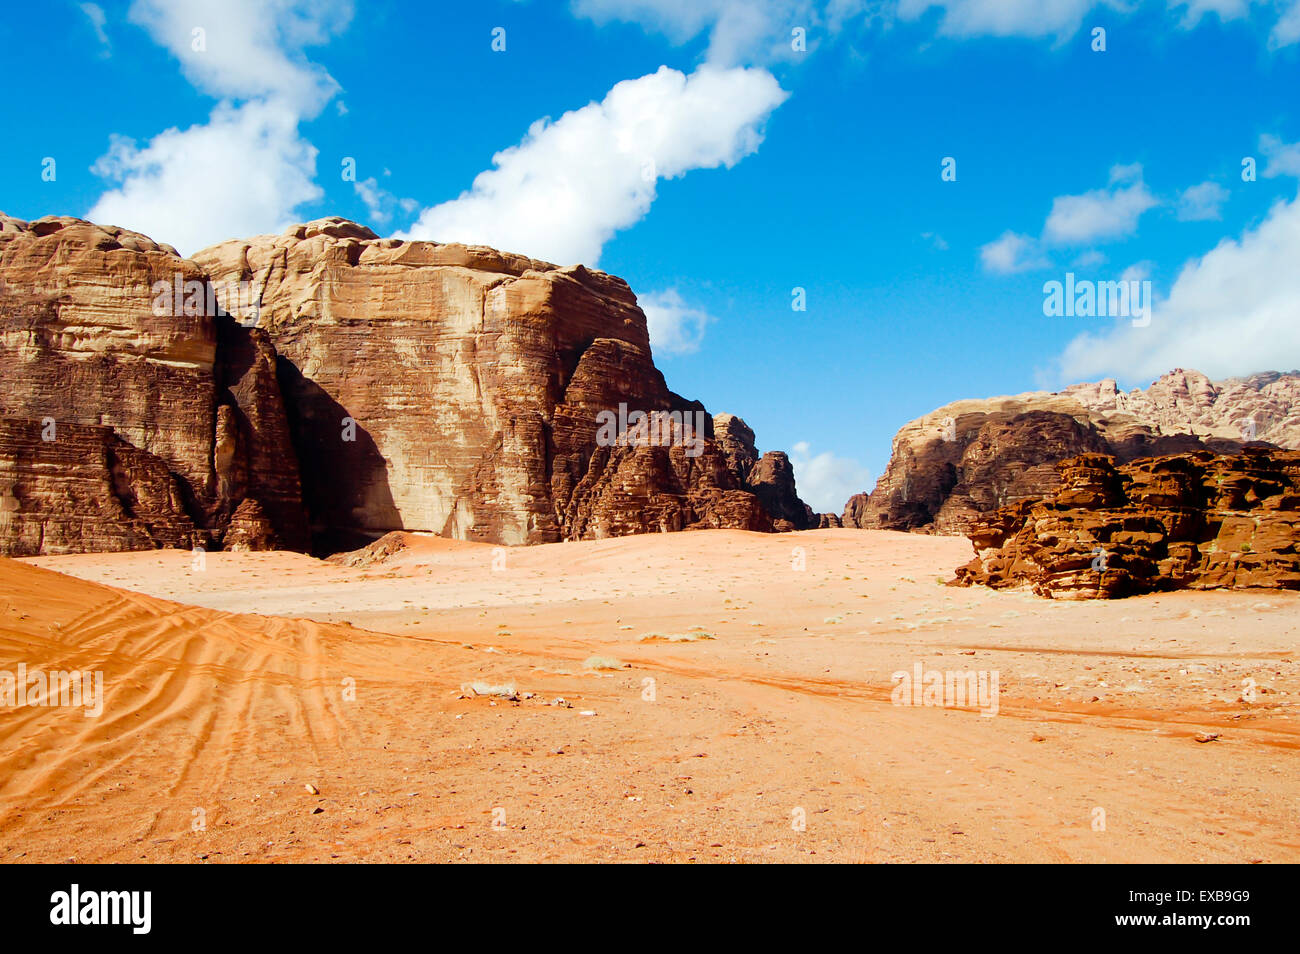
(971, 457)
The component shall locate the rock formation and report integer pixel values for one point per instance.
(123, 428)
(970, 457)
(1198, 521)
(457, 389)
(323, 387)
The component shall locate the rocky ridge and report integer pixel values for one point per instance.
(961, 461)
(1188, 521)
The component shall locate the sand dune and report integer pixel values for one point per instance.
(747, 694)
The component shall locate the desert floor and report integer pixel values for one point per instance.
(231, 689)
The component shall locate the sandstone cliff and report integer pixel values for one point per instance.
(331, 386)
(1197, 521)
(456, 389)
(968, 458)
(123, 428)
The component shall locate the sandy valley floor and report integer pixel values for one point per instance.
(232, 689)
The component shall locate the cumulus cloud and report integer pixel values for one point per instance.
(1199, 203)
(1028, 18)
(675, 327)
(1283, 159)
(242, 172)
(1098, 215)
(739, 31)
(247, 168)
(1107, 213)
(1232, 311)
(571, 184)
(737, 28)
(826, 482)
(245, 49)
(1195, 10)
(379, 202)
(1287, 29)
(1011, 253)
(755, 31)
(95, 14)
(1061, 19)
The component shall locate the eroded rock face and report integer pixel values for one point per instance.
(375, 385)
(86, 490)
(772, 481)
(143, 436)
(456, 389)
(970, 457)
(1261, 407)
(1198, 521)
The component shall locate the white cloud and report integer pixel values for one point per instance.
(570, 185)
(1098, 215)
(241, 173)
(251, 48)
(826, 482)
(246, 170)
(1028, 18)
(1199, 203)
(756, 31)
(675, 327)
(379, 202)
(1287, 29)
(1235, 310)
(95, 14)
(1137, 272)
(1011, 253)
(1225, 10)
(739, 31)
(1283, 159)
(1107, 213)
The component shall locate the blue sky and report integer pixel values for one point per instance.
(717, 169)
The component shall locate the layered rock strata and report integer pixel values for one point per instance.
(965, 459)
(1189, 521)
(134, 417)
(323, 387)
(458, 390)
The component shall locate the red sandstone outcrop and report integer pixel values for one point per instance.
(364, 385)
(143, 435)
(1198, 521)
(772, 481)
(970, 457)
(75, 488)
(458, 390)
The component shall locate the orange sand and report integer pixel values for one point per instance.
(216, 715)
